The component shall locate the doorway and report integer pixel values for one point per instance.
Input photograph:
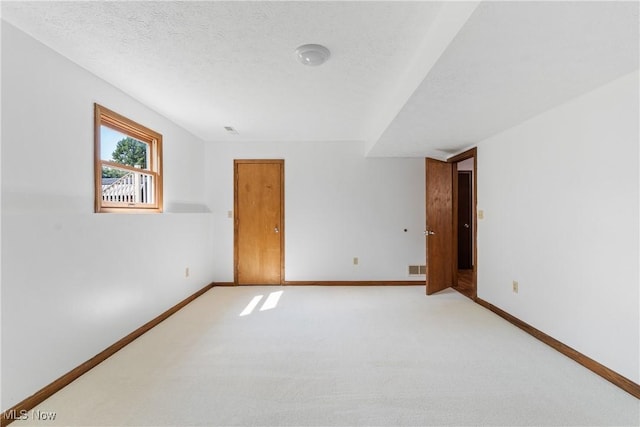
(465, 218)
(259, 222)
(451, 231)
(464, 213)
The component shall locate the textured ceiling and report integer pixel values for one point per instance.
(407, 78)
(510, 62)
(207, 65)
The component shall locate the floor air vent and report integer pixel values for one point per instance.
(417, 270)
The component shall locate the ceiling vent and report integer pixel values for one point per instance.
(231, 130)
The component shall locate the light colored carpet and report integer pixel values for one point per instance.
(338, 356)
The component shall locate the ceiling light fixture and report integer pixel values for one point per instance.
(312, 54)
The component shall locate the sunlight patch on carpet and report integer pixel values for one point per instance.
(272, 301)
(251, 306)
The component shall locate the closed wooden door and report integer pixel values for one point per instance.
(259, 222)
(439, 225)
(465, 220)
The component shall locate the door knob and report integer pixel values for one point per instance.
(276, 229)
(466, 226)
(429, 233)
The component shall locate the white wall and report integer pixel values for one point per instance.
(74, 282)
(560, 199)
(338, 205)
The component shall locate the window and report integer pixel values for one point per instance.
(128, 164)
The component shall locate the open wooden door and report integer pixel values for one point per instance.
(259, 222)
(439, 225)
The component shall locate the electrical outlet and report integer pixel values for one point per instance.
(480, 214)
(515, 287)
(186, 272)
(355, 260)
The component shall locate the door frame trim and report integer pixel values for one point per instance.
(471, 153)
(237, 162)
